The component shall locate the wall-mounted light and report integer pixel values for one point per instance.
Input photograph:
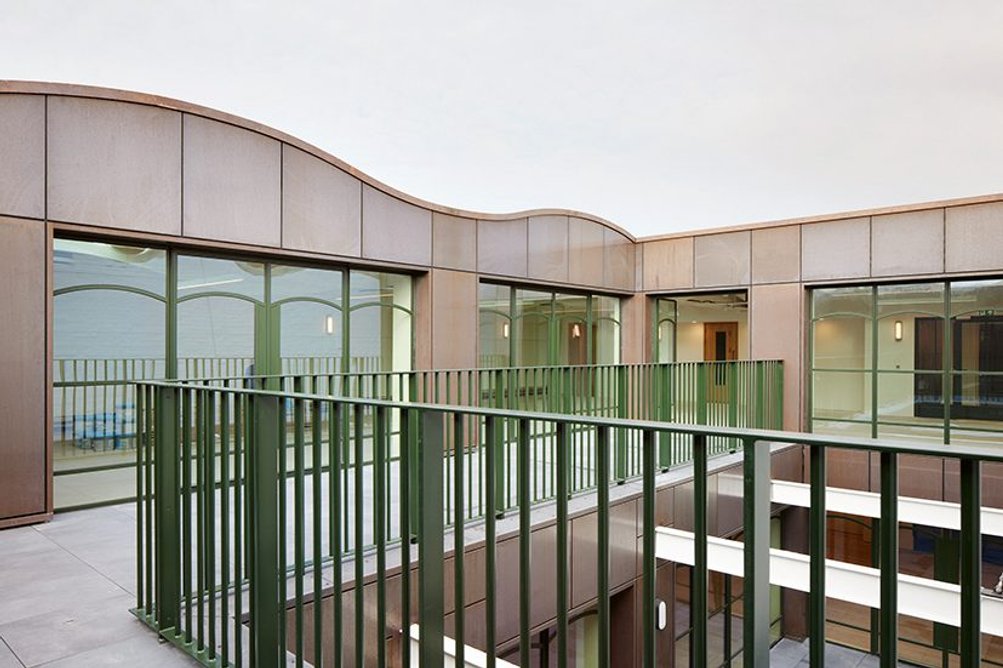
(504, 330)
(576, 330)
(898, 330)
(661, 615)
(329, 324)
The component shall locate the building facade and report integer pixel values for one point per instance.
(124, 212)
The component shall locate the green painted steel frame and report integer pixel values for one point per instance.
(265, 412)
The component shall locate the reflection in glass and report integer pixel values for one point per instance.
(702, 327)
(216, 338)
(307, 302)
(201, 275)
(844, 395)
(531, 328)
(842, 342)
(379, 322)
(928, 370)
(546, 328)
(108, 329)
(494, 325)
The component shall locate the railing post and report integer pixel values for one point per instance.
(702, 371)
(889, 550)
(756, 595)
(760, 395)
(266, 608)
(500, 448)
(817, 555)
(778, 399)
(430, 533)
(971, 564)
(663, 411)
(698, 595)
(648, 551)
(411, 443)
(621, 433)
(167, 518)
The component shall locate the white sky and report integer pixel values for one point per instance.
(660, 116)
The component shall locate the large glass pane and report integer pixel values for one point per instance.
(202, 275)
(532, 327)
(705, 321)
(108, 329)
(977, 354)
(910, 329)
(570, 314)
(216, 338)
(606, 316)
(842, 342)
(495, 325)
(851, 301)
(379, 322)
(843, 395)
(307, 302)
(289, 282)
(665, 334)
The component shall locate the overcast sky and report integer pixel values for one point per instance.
(659, 116)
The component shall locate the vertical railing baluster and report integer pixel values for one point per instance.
(602, 541)
(817, 555)
(525, 538)
(404, 482)
(562, 543)
(240, 447)
(359, 542)
(316, 482)
(210, 519)
(299, 514)
(380, 444)
(187, 396)
(224, 491)
(430, 533)
(698, 606)
(459, 594)
(756, 561)
(266, 603)
(648, 452)
(142, 435)
(889, 544)
(335, 449)
(490, 529)
(166, 515)
(971, 563)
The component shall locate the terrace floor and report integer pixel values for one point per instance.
(66, 588)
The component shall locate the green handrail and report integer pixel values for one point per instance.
(444, 437)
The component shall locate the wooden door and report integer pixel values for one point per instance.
(720, 344)
(720, 341)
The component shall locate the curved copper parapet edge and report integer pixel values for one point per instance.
(133, 97)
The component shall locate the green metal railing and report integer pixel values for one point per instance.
(237, 542)
(737, 394)
(94, 402)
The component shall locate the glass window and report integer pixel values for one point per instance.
(219, 304)
(702, 327)
(924, 369)
(110, 321)
(526, 327)
(201, 275)
(495, 325)
(379, 322)
(108, 329)
(606, 318)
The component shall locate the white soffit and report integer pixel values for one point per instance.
(918, 597)
(868, 504)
